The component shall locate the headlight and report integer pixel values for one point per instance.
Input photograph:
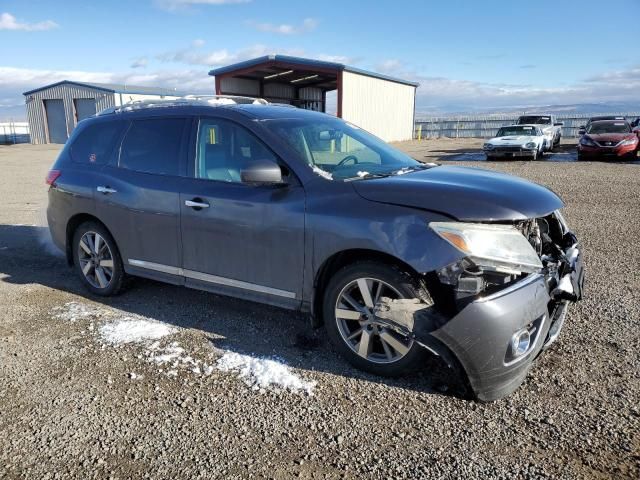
(488, 146)
(500, 248)
(530, 145)
(586, 141)
(631, 141)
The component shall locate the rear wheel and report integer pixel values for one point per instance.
(97, 260)
(358, 335)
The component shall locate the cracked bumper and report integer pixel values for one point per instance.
(480, 335)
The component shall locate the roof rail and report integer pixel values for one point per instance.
(202, 100)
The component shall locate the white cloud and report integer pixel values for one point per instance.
(176, 5)
(389, 66)
(198, 42)
(337, 59)
(9, 22)
(216, 58)
(140, 62)
(307, 25)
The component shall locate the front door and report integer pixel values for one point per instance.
(240, 239)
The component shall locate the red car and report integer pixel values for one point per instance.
(608, 140)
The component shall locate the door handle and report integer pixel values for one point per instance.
(196, 204)
(105, 190)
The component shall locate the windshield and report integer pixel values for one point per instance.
(509, 131)
(336, 149)
(535, 120)
(608, 127)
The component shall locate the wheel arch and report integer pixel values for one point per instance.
(339, 260)
(72, 225)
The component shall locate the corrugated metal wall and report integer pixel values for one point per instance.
(240, 86)
(36, 113)
(382, 107)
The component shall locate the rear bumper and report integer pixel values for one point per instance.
(480, 335)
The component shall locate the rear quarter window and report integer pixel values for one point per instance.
(153, 146)
(95, 143)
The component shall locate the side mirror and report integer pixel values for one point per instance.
(558, 124)
(636, 130)
(582, 131)
(262, 171)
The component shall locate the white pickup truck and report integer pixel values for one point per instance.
(551, 128)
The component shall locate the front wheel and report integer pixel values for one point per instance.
(360, 337)
(97, 260)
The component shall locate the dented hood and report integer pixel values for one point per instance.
(467, 194)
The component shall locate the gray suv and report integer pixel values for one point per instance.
(298, 209)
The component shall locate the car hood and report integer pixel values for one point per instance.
(466, 194)
(513, 140)
(611, 137)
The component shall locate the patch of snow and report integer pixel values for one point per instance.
(321, 172)
(73, 311)
(261, 373)
(133, 330)
(404, 170)
(362, 174)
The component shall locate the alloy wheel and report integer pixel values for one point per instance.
(96, 260)
(361, 330)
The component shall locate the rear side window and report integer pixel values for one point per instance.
(95, 143)
(153, 146)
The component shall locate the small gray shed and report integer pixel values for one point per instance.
(53, 111)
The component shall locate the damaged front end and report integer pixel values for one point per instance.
(499, 306)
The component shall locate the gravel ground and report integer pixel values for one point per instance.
(74, 405)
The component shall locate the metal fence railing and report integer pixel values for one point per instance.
(487, 126)
(14, 132)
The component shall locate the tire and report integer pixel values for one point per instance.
(401, 355)
(490, 158)
(101, 272)
(541, 151)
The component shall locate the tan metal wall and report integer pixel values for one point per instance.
(381, 107)
(36, 115)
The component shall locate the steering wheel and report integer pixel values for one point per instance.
(346, 159)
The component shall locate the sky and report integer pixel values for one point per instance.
(467, 55)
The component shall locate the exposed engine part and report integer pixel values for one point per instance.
(551, 240)
(532, 231)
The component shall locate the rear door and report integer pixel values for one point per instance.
(240, 239)
(138, 196)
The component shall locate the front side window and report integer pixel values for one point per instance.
(95, 143)
(225, 149)
(341, 150)
(153, 146)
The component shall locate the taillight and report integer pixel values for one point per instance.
(52, 176)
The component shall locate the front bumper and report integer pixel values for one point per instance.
(480, 335)
(610, 153)
(509, 153)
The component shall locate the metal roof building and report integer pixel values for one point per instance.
(53, 111)
(381, 104)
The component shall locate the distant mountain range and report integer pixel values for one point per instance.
(579, 108)
(18, 112)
